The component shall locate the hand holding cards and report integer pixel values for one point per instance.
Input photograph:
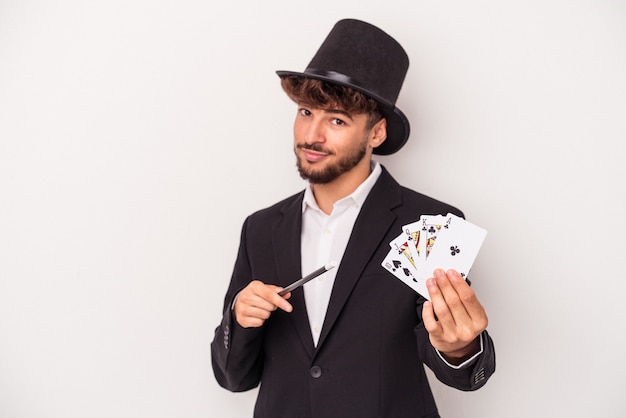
(435, 241)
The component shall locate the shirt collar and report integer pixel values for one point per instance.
(357, 197)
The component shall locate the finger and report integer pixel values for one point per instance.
(248, 315)
(439, 304)
(469, 316)
(254, 299)
(277, 300)
(252, 312)
(449, 292)
(466, 295)
(250, 298)
(267, 297)
(428, 318)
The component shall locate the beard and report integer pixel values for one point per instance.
(334, 170)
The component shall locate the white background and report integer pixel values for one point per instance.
(136, 135)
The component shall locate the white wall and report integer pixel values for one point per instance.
(135, 136)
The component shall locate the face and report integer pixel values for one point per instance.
(330, 143)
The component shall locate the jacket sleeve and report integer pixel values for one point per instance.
(236, 352)
(471, 375)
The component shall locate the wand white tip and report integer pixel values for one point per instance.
(330, 265)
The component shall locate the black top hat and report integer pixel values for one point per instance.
(359, 55)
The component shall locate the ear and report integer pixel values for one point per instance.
(379, 133)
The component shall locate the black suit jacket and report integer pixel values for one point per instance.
(372, 348)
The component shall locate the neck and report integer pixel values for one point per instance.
(327, 194)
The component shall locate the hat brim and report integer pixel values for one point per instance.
(398, 127)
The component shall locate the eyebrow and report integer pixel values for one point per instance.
(339, 112)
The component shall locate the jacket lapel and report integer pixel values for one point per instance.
(286, 240)
(371, 226)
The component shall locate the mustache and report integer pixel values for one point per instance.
(314, 147)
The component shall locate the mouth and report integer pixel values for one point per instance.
(312, 155)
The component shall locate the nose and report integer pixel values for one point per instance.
(313, 132)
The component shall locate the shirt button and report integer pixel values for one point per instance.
(316, 372)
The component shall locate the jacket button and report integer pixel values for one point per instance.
(316, 372)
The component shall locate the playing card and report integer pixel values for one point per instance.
(401, 246)
(413, 233)
(432, 242)
(431, 225)
(455, 247)
(396, 264)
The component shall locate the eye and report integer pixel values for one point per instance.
(304, 112)
(337, 121)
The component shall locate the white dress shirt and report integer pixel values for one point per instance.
(324, 239)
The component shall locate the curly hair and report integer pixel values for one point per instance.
(323, 95)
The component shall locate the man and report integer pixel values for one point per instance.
(353, 342)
